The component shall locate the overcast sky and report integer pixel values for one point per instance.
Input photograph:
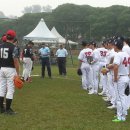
(15, 7)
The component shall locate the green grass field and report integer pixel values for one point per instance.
(59, 104)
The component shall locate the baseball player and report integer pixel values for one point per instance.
(9, 69)
(102, 63)
(95, 68)
(111, 90)
(126, 49)
(84, 58)
(27, 61)
(3, 38)
(121, 79)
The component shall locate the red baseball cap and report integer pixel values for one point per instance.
(11, 33)
(4, 38)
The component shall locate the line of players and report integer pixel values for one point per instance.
(107, 68)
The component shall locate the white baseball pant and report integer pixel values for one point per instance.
(85, 68)
(103, 78)
(27, 68)
(111, 89)
(95, 78)
(6, 82)
(121, 98)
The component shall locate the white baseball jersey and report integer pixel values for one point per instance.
(103, 54)
(123, 61)
(110, 55)
(126, 49)
(96, 56)
(84, 54)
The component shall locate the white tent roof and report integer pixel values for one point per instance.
(72, 43)
(60, 38)
(41, 32)
(43, 41)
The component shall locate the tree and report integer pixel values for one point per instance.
(90, 22)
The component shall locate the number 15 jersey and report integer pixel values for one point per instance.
(8, 51)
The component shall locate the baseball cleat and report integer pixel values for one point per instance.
(111, 107)
(10, 112)
(117, 120)
(100, 93)
(91, 92)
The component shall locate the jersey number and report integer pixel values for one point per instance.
(103, 53)
(126, 61)
(88, 54)
(4, 53)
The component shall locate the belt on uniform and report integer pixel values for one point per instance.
(26, 57)
(123, 75)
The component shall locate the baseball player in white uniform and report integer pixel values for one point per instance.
(102, 63)
(111, 90)
(121, 80)
(126, 49)
(95, 69)
(84, 57)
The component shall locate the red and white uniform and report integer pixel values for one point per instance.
(85, 67)
(102, 62)
(122, 60)
(111, 90)
(95, 69)
(126, 49)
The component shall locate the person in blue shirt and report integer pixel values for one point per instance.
(61, 54)
(44, 53)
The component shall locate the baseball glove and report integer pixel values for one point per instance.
(127, 91)
(18, 83)
(104, 71)
(79, 72)
(89, 59)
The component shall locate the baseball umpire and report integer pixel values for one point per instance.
(44, 53)
(61, 54)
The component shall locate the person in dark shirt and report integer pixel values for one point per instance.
(9, 69)
(27, 55)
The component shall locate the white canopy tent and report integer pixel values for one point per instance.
(41, 33)
(60, 38)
